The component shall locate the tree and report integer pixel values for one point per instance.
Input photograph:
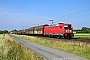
(1, 32)
(14, 30)
(83, 30)
(5, 31)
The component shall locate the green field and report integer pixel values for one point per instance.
(83, 35)
(76, 48)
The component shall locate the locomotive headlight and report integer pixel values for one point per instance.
(66, 30)
(70, 30)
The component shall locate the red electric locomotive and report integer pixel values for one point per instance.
(60, 31)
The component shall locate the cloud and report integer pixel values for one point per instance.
(2, 8)
(5, 10)
(15, 20)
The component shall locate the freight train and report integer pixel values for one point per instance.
(60, 30)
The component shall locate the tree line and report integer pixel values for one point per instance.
(3, 31)
(83, 30)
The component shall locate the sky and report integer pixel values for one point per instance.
(19, 14)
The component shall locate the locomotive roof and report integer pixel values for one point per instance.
(57, 25)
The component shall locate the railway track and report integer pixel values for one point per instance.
(86, 41)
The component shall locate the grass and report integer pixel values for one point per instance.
(13, 50)
(85, 36)
(76, 48)
(1, 40)
(1, 44)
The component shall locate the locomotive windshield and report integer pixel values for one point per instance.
(67, 27)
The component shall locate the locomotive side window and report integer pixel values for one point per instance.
(60, 26)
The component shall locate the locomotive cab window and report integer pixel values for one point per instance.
(67, 27)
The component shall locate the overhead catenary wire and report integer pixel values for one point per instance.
(76, 17)
(75, 7)
(76, 13)
(86, 10)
